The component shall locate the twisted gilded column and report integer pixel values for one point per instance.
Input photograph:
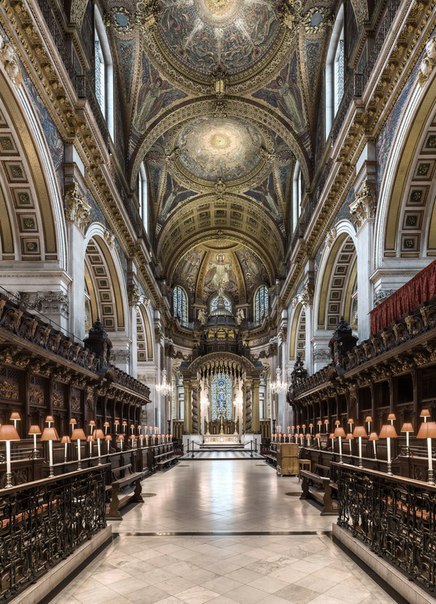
(248, 412)
(194, 406)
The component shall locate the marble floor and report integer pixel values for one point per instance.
(222, 531)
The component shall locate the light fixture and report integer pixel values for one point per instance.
(34, 431)
(425, 414)
(318, 439)
(49, 420)
(391, 418)
(78, 434)
(388, 431)
(15, 417)
(340, 434)
(8, 434)
(368, 420)
(65, 440)
(373, 437)
(349, 437)
(407, 429)
(50, 434)
(98, 436)
(106, 425)
(279, 385)
(164, 388)
(360, 432)
(428, 430)
(73, 423)
(120, 439)
(108, 439)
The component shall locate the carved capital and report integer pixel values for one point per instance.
(134, 294)
(364, 206)
(109, 237)
(77, 209)
(428, 61)
(10, 61)
(307, 294)
(331, 237)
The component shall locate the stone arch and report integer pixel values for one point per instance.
(405, 224)
(33, 224)
(104, 282)
(297, 333)
(336, 283)
(144, 335)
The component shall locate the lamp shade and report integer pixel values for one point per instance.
(34, 429)
(49, 434)
(392, 416)
(359, 431)
(73, 421)
(49, 418)
(15, 416)
(108, 437)
(426, 430)
(106, 425)
(78, 434)
(124, 422)
(89, 439)
(425, 413)
(349, 436)
(116, 422)
(318, 435)
(120, 437)
(337, 422)
(373, 436)
(388, 431)
(368, 418)
(407, 428)
(350, 420)
(98, 434)
(326, 422)
(332, 436)
(66, 440)
(339, 432)
(8, 432)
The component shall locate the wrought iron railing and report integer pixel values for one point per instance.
(394, 516)
(43, 522)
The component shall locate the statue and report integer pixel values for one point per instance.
(239, 316)
(202, 316)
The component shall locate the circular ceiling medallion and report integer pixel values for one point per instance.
(219, 148)
(202, 35)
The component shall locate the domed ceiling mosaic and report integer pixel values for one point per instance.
(219, 100)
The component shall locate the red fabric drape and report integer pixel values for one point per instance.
(419, 289)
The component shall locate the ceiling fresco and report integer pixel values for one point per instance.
(221, 100)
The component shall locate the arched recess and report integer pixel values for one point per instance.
(335, 291)
(104, 284)
(405, 224)
(297, 335)
(32, 225)
(144, 336)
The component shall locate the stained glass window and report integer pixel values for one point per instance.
(100, 75)
(222, 397)
(260, 304)
(180, 305)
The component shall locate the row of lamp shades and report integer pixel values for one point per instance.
(8, 434)
(426, 431)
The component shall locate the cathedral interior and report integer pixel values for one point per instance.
(217, 253)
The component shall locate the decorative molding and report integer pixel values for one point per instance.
(46, 302)
(9, 390)
(331, 237)
(364, 206)
(109, 237)
(322, 354)
(77, 209)
(428, 61)
(307, 292)
(10, 61)
(135, 297)
(381, 295)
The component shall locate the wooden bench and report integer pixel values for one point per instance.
(122, 477)
(320, 488)
(165, 459)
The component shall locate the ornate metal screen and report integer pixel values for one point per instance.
(222, 397)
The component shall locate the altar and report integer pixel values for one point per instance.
(221, 439)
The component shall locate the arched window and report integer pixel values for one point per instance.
(335, 71)
(222, 396)
(104, 78)
(297, 194)
(180, 305)
(260, 304)
(214, 303)
(143, 196)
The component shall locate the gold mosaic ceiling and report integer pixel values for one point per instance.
(219, 98)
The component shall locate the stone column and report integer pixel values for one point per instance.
(77, 211)
(187, 422)
(255, 407)
(194, 407)
(248, 407)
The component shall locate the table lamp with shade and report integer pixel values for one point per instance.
(117, 425)
(407, 429)
(65, 440)
(428, 430)
(78, 435)
(98, 436)
(391, 418)
(373, 437)
(349, 437)
(120, 439)
(73, 423)
(318, 439)
(388, 431)
(132, 428)
(359, 432)
(425, 414)
(108, 439)
(339, 433)
(49, 420)
(106, 427)
(124, 424)
(8, 434)
(368, 420)
(90, 440)
(49, 435)
(91, 426)
(15, 417)
(350, 422)
(326, 424)
(34, 431)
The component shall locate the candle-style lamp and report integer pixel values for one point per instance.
(368, 420)
(78, 435)
(73, 423)
(106, 426)
(89, 440)
(388, 431)
(318, 439)
(117, 425)
(311, 428)
(132, 428)
(65, 440)
(332, 438)
(91, 426)
(49, 420)
(359, 432)
(350, 422)
(49, 435)
(339, 433)
(7, 435)
(15, 417)
(302, 439)
(108, 439)
(326, 424)
(349, 437)
(373, 437)
(304, 429)
(391, 418)
(124, 424)
(98, 436)
(120, 440)
(425, 414)
(34, 431)
(407, 429)
(428, 430)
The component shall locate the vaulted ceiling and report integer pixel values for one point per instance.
(220, 100)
